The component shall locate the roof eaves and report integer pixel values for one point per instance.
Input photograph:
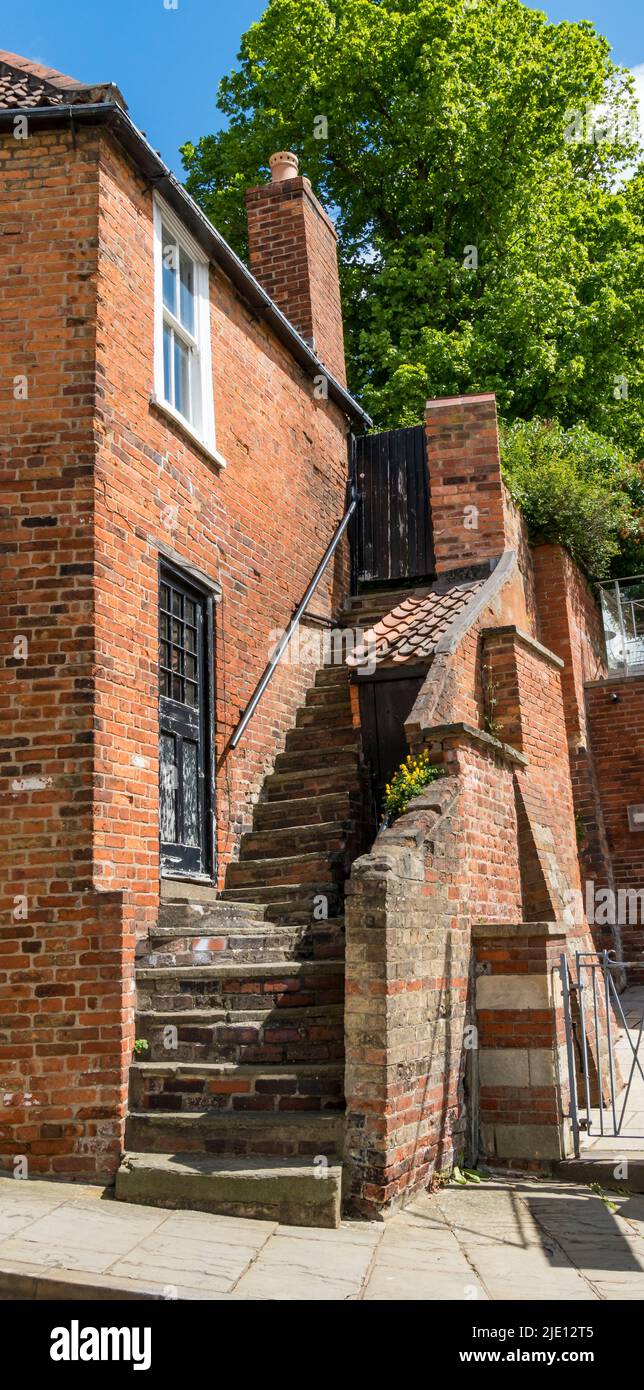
(161, 177)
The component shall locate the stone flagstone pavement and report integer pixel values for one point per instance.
(505, 1239)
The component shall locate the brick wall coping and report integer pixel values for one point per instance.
(514, 929)
(526, 640)
(614, 678)
(468, 733)
(439, 402)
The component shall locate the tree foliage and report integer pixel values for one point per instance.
(578, 488)
(455, 124)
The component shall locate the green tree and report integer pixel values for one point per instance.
(455, 124)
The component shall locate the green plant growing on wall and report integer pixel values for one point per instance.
(581, 834)
(408, 782)
(141, 1046)
(579, 489)
(490, 688)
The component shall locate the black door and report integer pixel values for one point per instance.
(392, 533)
(385, 704)
(185, 723)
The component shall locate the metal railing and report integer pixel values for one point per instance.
(600, 1100)
(622, 603)
(285, 639)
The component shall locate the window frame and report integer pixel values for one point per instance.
(200, 424)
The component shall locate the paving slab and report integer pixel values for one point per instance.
(507, 1238)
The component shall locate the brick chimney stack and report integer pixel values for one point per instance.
(293, 254)
(471, 512)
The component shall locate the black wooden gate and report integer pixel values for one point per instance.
(392, 534)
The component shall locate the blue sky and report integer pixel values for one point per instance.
(168, 62)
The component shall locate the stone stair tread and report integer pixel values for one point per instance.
(241, 1017)
(260, 928)
(215, 907)
(273, 1069)
(287, 860)
(286, 1190)
(285, 814)
(285, 892)
(252, 1120)
(241, 969)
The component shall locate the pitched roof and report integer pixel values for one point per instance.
(25, 83)
(410, 632)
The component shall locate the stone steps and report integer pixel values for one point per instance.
(295, 1192)
(344, 758)
(284, 1135)
(238, 1102)
(318, 739)
(335, 807)
(235, 1087)
(260, 941)
(331, 714)
(290, 869)
(308, 1033)
(309, 782)
(326, 837)
(330, 676)
(236, 985)
(295, 902)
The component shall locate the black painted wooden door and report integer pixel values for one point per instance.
(183, 711)
(392, 535)
(385, 704)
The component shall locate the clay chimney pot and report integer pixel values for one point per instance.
(284, 165)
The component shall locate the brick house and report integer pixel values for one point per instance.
(180, 453)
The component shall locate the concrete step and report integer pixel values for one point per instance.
(297, 868)
(301, 1133)
(337, 806)
(235, 985)
(236, 1087)
(344, 758)
(294, 1192)
(312, 1033)
(325, 837)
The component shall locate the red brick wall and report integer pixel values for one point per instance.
(258, 527)
(470, 512)
(293, 254)
(616, 725)
(106, 483)
(570, 624)
(529, 714)
(65, 970)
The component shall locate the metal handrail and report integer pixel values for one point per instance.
(285, 639)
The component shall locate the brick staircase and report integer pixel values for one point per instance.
(237, 1105)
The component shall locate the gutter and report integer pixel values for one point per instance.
(152, 166)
